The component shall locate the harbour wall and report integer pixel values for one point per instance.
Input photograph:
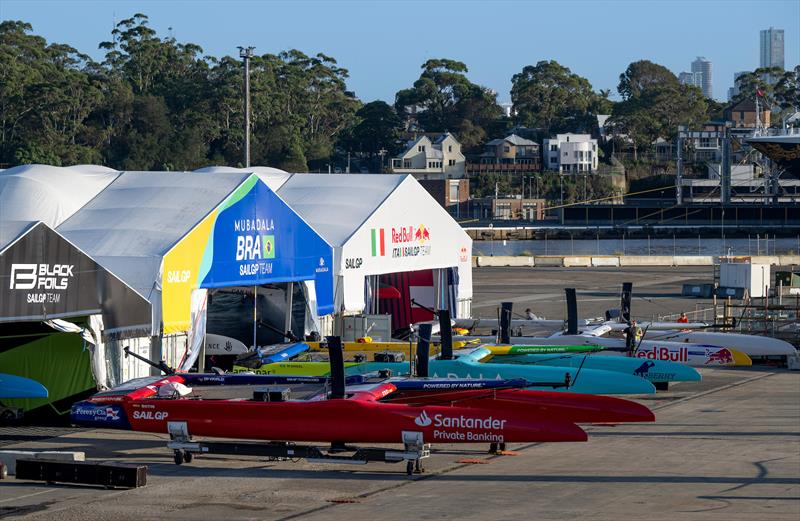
(615, 261)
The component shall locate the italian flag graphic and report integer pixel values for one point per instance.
(378, 248)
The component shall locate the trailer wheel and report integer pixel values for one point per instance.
(493, 448)
(502, 447)
(188, 457)
(409, 468)
(178, 457)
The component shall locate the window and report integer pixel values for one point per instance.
(553, 148)
(421, 148)
(449, 148)
(566, 154)
(452, 162)
(406, 163)
(553, 159)
(454, 188)
(506, 149)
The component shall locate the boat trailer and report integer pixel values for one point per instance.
(413, 452)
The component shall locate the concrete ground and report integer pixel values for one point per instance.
(656, 290)
(726, 448)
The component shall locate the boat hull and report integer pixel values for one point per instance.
(333, 421)
(652, 370)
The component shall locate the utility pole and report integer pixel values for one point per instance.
(725, 174)
(679, 167)
(245, 53)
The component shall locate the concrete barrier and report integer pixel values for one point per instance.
(10, 457)
(605, 262)
(646, 260)
(693, 260)
(60, 455)
(549, 261)
(773, 260)
(506, 261)
(579, 262)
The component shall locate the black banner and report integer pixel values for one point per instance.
(43, 276)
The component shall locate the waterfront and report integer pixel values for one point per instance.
(699, 460)
(623, 246)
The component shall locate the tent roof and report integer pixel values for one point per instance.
(50, 194)
(131, 224)
(272, 177)
(336, 205)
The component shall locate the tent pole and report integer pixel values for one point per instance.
(289, 302)
(255, 316)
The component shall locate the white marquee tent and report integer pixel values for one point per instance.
(347, 209)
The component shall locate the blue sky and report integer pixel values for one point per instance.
(383, 43)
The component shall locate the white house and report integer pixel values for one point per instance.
(570, 153)
(426, 159)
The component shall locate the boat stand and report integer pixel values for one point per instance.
(414, 450)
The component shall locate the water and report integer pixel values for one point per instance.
(701, 246)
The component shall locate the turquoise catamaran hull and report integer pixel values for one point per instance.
(656, 371)
(584, 380)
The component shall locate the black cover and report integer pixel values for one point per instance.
(44, 276)
(445, 334)
(572, 311)
(625, 302)
(505, 322)
(337, 366)
(424, 349)
(105, 474)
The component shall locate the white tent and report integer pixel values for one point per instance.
(131, 225)
(346, 208)
(380, 224)
(272, 177)
(31, 193)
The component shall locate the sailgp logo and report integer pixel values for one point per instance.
(423, 420)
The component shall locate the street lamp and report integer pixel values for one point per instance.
(245, 53)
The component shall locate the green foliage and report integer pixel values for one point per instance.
(779, 90)
(155, 103)
(654, 104)
(447, 101)
(548, 185)
(551, 97)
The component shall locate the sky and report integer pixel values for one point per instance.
(383, 43)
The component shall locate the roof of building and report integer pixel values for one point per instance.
(129, 226)
(317, 198)
(31, 193)
(514, 140)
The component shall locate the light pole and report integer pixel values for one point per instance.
(245, 53)
(382, 152)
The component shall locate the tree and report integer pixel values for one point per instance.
(655, 104)
(778, 90)
(445, 100)
(377, 128)
(643, 75)
(551, 97)
(787, 90)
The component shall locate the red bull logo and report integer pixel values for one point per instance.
(665, 353)
(722, 356)
(409, 241)
(410, 234)
(422, 234)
